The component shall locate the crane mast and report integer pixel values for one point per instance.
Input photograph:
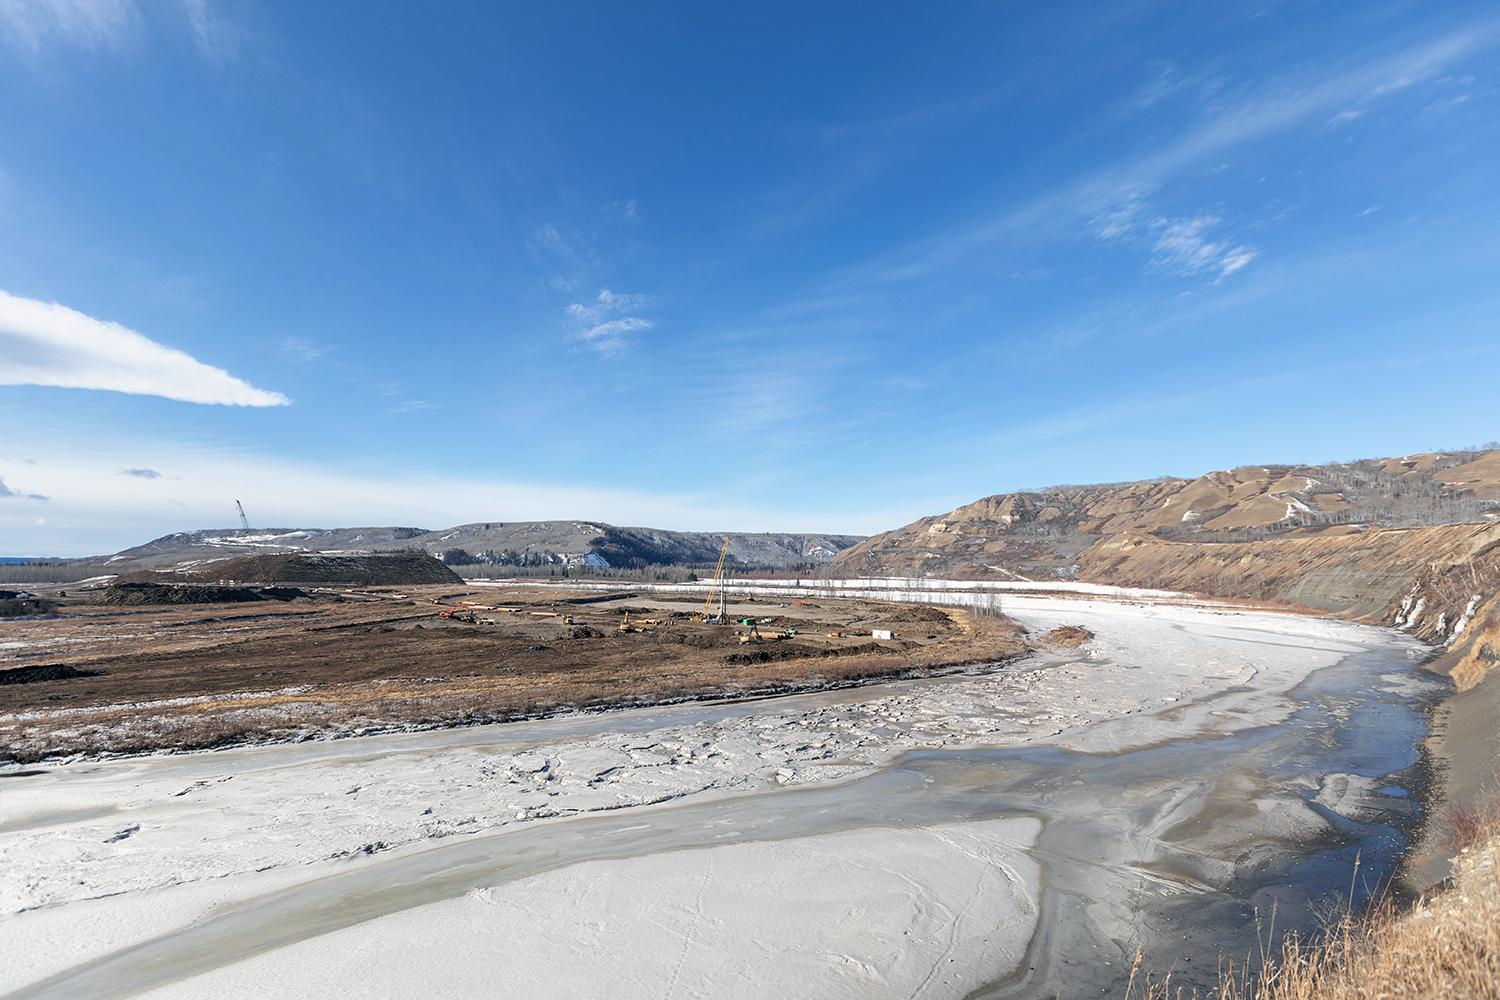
(245, 524)
(716, 586)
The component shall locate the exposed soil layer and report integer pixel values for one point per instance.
(1067, 636)
(46, 672)
(183, 677)
(146, 593)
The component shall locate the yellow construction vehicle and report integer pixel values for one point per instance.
(646, 626)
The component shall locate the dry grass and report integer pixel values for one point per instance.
(1447, 947)
(1463, 825)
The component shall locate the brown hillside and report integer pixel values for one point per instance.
(1412, 542)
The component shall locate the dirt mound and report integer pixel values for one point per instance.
(12, 605)
(45, 672)
(918, 614)
(370, 569)
(1067, 636)
(148, 592)
(768, 654)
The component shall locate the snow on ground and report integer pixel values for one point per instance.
(895, 588)
(131, 829)
(935, 910)
(263, 540)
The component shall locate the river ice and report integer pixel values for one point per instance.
(136, 847)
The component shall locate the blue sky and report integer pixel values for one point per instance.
(701, 266)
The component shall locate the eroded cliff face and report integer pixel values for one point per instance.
(1422, 579)
(1476, 652)
(1408, 542)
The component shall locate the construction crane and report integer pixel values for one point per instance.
(716, 586)
(245, 524)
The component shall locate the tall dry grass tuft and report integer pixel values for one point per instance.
(1447, 947)
(1461, 825)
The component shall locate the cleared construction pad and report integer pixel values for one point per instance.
(112, 679)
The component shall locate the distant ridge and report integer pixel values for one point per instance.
(499, 544)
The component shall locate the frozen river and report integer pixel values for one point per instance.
(1012, 832)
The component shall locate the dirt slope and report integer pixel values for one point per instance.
(1421, 578)
(1412, 542)
(1042, 533)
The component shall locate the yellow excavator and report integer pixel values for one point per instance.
(716, 588)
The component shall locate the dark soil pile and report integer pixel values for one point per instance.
(14, 606)
(774, 652)
(364, 570)
(44, 672)
(133, 593)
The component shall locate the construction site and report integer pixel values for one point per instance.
(145, 665)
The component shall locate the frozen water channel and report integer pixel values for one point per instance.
(1012, 832)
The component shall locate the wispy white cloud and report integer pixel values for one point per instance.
(1288, 104)
(139, 473)
(413, 406)
(548, 239)
(607, 302)
(1184, 247)
(217, 31)
(602, 323)
(1167, 81)
(609, 335)
(1272, 109)
(44, 343)
(33, 26)
(302, 350)
(1178, 246)
(1123, 216)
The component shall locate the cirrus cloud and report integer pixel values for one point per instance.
(45, 343)
(600, 325)
(32, 25)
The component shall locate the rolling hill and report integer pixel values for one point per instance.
(501, 544)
